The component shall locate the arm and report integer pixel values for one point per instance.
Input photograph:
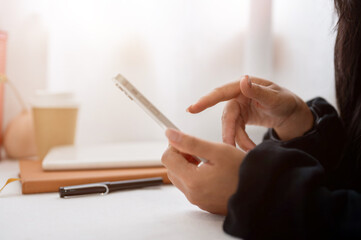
(284, 186)
(282, 194)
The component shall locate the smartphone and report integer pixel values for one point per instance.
(133, 93)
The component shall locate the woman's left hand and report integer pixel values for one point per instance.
(210, 185)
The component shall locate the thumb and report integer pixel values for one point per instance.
(259, 90)
(192, 145)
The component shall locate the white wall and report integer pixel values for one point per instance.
(174, 51)
(304, 40)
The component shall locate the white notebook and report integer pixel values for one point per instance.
(117, 155)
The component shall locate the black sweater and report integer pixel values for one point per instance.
(299, 189)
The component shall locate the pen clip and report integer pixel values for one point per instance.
(92, 185)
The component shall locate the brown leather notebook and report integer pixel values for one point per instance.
(35, 180)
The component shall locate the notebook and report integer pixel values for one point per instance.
(116, 155)
(35, 180)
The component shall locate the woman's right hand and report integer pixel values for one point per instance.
(256, 101)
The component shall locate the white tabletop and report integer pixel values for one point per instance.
(151, 213)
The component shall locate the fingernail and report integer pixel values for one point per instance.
(249, 81)
(173, 135)
(187, 110)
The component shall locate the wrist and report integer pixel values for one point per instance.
(297, 124)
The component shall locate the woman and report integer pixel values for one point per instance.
(304, 179)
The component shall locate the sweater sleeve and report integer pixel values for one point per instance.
(283, 190)
(281, 196)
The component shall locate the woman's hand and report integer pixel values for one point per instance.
(210, 185)
(259, 102)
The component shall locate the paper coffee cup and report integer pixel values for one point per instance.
(55, 117)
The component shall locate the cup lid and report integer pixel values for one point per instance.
(54, 99)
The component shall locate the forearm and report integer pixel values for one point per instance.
(281, 195)
(270, 199)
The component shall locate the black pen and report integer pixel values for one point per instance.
(104, 188)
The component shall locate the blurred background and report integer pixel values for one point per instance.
(174, 51)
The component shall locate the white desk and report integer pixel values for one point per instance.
(150, 213)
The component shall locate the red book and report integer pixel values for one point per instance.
(3, 38)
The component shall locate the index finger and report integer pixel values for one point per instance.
(220, 94)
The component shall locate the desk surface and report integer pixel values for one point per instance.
(151, 213)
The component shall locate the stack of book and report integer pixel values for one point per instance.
(35, 180)
(73, 165)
